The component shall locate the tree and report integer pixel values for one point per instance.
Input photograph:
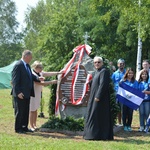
(55, 35)
(56, 27)
(35, 19)
(113, 27)
(10, 44)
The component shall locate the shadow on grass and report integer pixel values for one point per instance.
(133, 137)
(132, 141)
(55, 135)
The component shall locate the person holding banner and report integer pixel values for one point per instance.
(127, 112)
(144, 109)
(98, 122)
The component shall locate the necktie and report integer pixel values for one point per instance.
(28, 70)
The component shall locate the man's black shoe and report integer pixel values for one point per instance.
(20, 132)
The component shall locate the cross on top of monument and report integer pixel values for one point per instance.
(86, 36)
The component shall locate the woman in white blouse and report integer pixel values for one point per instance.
(37, 70)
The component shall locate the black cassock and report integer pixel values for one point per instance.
(98, 122)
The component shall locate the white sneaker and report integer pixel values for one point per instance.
(141, 129)
(146, 129)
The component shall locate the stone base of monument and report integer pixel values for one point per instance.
(77, 133)
(73, 111)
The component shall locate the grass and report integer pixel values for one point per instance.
(9, 140)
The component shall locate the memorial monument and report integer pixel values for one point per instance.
(73, 85)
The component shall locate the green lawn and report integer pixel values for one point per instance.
(9, 140)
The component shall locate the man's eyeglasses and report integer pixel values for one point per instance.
(97, 62)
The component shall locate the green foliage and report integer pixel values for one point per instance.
(69, 123)
(9, 53)
(113, 105)
(55, 28)
(8, 22)
(10, 39)
(42, 102)
(52, 99)
(55, 34)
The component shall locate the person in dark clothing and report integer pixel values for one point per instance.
(22, 89)
(98, 121)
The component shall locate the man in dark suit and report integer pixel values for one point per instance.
(22, 89)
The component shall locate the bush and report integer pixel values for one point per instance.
(69, 123)
(113, 105)
(52, 99)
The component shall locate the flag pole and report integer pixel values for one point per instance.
(139, 52)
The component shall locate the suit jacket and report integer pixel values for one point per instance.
(22, 81)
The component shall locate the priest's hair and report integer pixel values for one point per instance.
(98, 58)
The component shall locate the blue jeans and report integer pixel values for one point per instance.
(144, 112)
(127, 114)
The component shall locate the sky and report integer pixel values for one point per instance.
(22, 7)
